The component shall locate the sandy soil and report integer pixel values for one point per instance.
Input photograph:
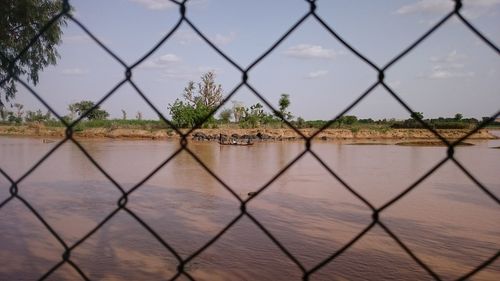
(266, 134)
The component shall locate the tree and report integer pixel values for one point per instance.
(301, 123)
(184, 115)
(458, 117)
(72, 111)
(138, 116)
(21, 20)
(196, 108)
(284, 103)
(124, 114)
(19, 107)
(37, 116)
(348, 119)
(257, 110)
(3, 112)
(225, 115)
(238, 111)
(417, 115)
(209, 93)
(82, 107)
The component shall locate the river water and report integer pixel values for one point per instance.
(447, 221)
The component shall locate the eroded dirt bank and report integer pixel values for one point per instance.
(255, 134)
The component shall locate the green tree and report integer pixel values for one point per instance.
(253, 116)
(124, 114)
(185, 115)
(82, 107)
(20, 21)
(284, 103)
(301, 123)
(347, 120)
(19, 110)
(37, 116)
(196, 107)
(417, 115)
(458, 117)
(225, 115)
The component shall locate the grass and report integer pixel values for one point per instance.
(114, 124)
(152, 125)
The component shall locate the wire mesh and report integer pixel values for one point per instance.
(65, 13)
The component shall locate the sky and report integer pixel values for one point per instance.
(452, 71)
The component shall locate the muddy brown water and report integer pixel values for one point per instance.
(447, 221)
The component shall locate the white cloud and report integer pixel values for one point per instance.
(452, 57)
(317, 74)
(155, 5)
(158, 5)
(307, 51)
(188, 37)
(472, 7)
(427, 6)
(163, 61)
(451, 65)
(220, 39)
(442, 73)
(74, 71)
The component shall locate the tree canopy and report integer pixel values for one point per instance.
(284, 103)
(81, 107)
(196, 107)
(20, 21)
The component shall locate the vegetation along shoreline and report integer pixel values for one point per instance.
(260, 134)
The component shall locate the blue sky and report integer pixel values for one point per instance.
(452, 71)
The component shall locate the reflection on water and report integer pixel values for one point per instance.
(447, 221)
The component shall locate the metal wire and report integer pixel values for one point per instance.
(244, 212)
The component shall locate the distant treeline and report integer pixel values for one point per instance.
(200, 102)
(457, 122)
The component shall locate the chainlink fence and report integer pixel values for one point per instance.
(65, 13)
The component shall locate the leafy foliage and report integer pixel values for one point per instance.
(37, 116)
(225, 115)
(20, 21)
(284, 103)
(196, 108)
(83, 107)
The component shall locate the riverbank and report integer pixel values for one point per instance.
(258, 134)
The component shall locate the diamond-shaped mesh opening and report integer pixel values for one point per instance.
(451, 13)
(80, 198)
(373, 255)
(256, 250)
(386, 167)
(28, 248)
(297, 209)
(423, 217)
(124, 250)
(174, 203)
